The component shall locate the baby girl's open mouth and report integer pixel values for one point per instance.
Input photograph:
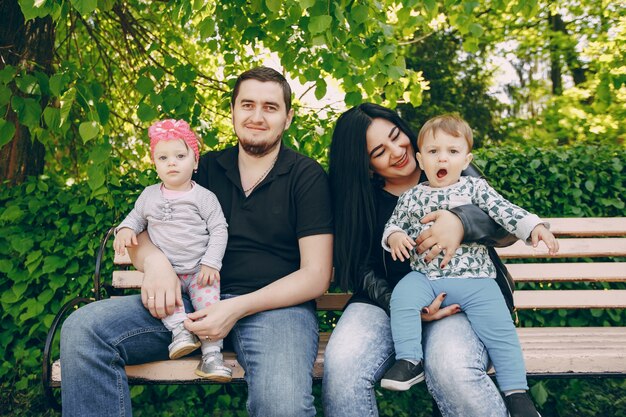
(442, 173)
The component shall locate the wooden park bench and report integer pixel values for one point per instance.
(592, 256)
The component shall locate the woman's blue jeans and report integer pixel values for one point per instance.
(360, 350)
(276, 348)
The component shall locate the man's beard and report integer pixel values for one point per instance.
(259, 149)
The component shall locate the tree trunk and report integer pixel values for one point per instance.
(26, 46)
(567, 49)
(555, 54)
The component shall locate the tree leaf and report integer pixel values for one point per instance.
(7, 74)
(539, 393)
(57, 83)
(28, 84)
(22, 244)
(5, 95)
(319, 24)
(66, 103)
(146, 113)
(7, 130)
(273, 5)
(52, 117)
(305, 4)
(476, 30)
(96, 176)
(28, 111)
(359, 13)
(320, 88)
(88, 130)
(53, 262)
(85, 7)
(353, 98)
(34, 8)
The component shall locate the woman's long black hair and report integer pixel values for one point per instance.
(352, 186)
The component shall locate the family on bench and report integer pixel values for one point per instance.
(259, 227)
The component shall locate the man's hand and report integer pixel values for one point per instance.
(123, 238)
(214, 321)
(160, 289)
(208, 276)
(400, 244)
(540, 232)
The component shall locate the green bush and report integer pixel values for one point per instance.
(50, 232)
(578, 181)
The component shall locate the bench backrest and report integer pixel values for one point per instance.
(589, 238)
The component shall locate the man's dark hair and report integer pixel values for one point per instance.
(264, 74)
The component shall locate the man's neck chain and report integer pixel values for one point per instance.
(262, 177)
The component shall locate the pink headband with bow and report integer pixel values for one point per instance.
(171, 129)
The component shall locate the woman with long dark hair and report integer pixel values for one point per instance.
(372, 162)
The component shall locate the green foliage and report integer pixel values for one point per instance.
(575, 181)
(458, 83)
(49, 234)
(570, 68)
(118, 66)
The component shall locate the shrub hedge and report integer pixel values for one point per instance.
(49, 233)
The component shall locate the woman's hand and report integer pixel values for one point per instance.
(445, 235)
(435, 312)
(214, 321)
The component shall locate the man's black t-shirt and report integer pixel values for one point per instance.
(292, 202)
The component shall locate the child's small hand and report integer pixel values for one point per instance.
(208, 276)
(540, 232)
(400, 244)
(123, 238)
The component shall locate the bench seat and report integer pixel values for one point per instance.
(548, 351)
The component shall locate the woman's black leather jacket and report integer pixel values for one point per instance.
(478, 227)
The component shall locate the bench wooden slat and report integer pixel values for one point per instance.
(591, 226)
(527, 299)
(127, 279)
(547, 350)
(544, 272)
(568, 248)
(569, 272)
(560, 226)
(570, 299)
(562, 350)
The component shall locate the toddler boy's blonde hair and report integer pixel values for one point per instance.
(452, 124)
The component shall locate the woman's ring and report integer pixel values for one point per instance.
(150, 298)
(439, 246)
(207, 338)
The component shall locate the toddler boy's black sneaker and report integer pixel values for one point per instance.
(402, 375)
(520, 405)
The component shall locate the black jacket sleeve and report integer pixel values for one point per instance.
(478, 227)
(377, 289)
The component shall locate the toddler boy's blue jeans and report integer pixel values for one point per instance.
(482, 302)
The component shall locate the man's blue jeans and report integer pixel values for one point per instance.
(360, 351)
(276, 348)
